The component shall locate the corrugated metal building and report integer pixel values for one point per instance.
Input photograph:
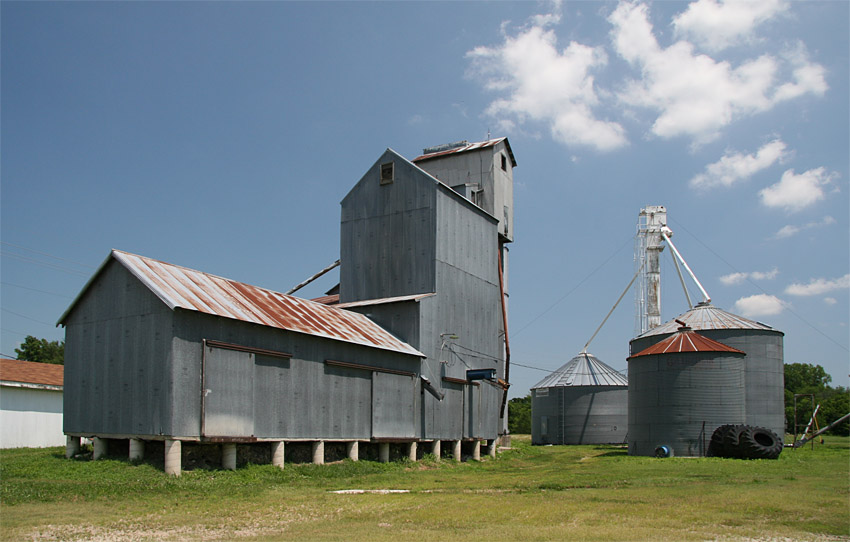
(764, 367)
(583, 402)
(155, 351)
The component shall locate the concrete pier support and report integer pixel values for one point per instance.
(173, 457)
(228, 456)
(319, 452)
(435, 449)
(411, 451)
(72, 446)
(137, 449)
(491, 448)
(277, 454)
(384, 452)
(476, 450)
(353, 450)
(98, 447)
(456, 450)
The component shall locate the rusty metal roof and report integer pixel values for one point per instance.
(180, 287)
(469, 147)
(704, 317)
(583, 370)
(686, 340)
(28, 372)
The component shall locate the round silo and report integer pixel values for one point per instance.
(680, 390)
(583, 402)
(764, 364)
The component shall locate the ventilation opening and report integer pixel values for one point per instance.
(504, 163)
(387, 173)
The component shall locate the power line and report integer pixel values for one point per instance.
(48, 255)
(26, 317)
(787, 306)
(55, 267)
(35, 290)
(576, 287)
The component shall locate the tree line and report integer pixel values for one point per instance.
(810, 383)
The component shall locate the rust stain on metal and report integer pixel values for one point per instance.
(686, 341)
(184, 288)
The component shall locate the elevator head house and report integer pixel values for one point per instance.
(159, 352)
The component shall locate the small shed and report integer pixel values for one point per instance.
(155, 351)
(30, 404)
(583, 402)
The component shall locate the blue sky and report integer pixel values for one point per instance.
(222, 137)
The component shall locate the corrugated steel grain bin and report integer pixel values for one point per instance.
(583, 402)
(765, 362)
(680, 390)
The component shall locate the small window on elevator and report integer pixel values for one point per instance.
(504, 163)
(387, 173)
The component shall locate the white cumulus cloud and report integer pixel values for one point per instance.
(819, 286)
(544, 83)
(791, 230)
(738, 278)
(735, 166)
(694, 94)
(759, 305)
(795, 192)
(717, 25)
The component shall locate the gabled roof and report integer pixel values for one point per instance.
(28, 372)
(183, 288)
(437, 183)
(686, 340)
(704, 317)
(583, 370)
(467, 147)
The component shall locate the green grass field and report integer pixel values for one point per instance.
(527, 493)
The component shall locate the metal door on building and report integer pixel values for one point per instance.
(393, 408)
(228, 395)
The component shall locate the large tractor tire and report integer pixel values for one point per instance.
(731, 441)
(759, 443)
(716, 447)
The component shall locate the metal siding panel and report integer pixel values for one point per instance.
(393, 411)
(387, 234)
(228, 393)
(116, 357)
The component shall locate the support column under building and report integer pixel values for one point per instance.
(228, 456)
(173, 457)
(384, 452)
(278, 449)
(456, 450)
(137, 449)
(72, 446)
(319, 452)
(98, 448)
(435, 449)
(352, 449)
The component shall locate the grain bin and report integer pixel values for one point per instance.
(764, 364)
(680, 390)
(583, 402)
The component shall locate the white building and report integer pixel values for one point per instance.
(30, 404)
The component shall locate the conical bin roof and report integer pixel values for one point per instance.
(583, 370)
